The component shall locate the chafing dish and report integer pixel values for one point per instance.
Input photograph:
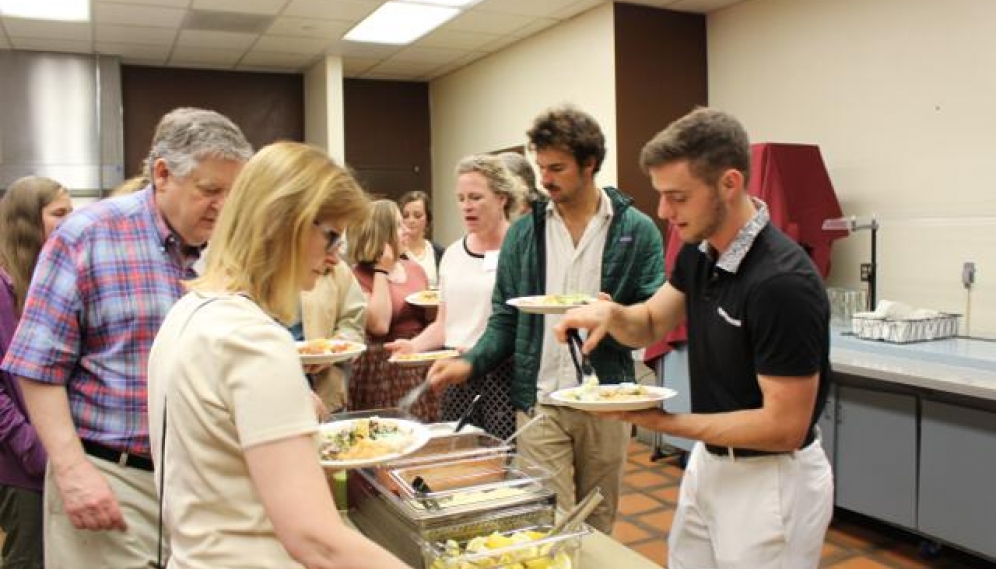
(456, 499)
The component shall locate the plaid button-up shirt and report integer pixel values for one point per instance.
(102, 287)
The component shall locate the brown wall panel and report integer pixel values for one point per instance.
(661, 74)
(388, 138)
(266, 106)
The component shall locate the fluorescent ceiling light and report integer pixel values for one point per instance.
(400, 23)
(67, 10)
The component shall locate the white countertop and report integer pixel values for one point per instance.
(955, 365)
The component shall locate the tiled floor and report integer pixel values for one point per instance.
(650, 491)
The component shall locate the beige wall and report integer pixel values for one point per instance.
(899, 94)
(490, 104)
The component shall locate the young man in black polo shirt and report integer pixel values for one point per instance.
(758, 490)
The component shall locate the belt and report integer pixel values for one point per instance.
(120, 458)
(733, 452)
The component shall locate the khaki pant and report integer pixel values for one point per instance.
(69, 548)
(583, 452)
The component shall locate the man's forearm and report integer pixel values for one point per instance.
(48, 407)
(632, 326)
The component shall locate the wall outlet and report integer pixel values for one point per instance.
(968, 274)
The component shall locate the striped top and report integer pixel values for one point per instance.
(102, 287)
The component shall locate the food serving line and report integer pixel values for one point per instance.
(442, 497)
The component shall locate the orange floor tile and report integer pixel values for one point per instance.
(646, 511)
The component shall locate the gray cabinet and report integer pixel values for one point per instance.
(827, 422)
(876, 454)
(957, 470)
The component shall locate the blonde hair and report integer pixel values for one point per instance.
(257, 246)
(367, 240)
(501, 180)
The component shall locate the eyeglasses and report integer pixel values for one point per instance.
(332, 236)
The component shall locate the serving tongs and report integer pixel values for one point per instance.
(409, 399)
(573, 518)
(422, 490)
(582, 363)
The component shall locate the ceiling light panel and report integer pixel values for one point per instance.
(399, 23)
(61, 10)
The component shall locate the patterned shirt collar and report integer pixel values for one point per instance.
(734, 255)
(186, 255)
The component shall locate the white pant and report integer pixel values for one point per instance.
(752, 513)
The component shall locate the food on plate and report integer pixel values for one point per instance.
(430, 296)
(364, 439)
(425, 356)
(324, 346)
(557, 300)
(517, 553)
(592, 390)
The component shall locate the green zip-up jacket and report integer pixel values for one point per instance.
(632, 271)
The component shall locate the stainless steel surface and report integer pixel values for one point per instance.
(61, 118)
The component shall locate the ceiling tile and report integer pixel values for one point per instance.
(545, 8)
(578, 7)
(135, 34)
(455, 39)
(350, 48)
(389, 76)
(457, 64)
(215, 40)
(309, 28)
(428, 55)
(269, 7)
(129, 15)
(488, 22)
(21, 28)
(134, 51)
(206, 55)
(500, 43)
(49, 44)
(354, 66)
(169, 3)
(143, 62)
(407, 68)
(351, 10)
(269, 59)
(288, 44)
(701, 6)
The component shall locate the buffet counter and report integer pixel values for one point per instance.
(911, 432)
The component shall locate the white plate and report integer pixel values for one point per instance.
(427, 298)
(542, 304)
(419, 434)
(352, 350)
(422, 358)
(653, 399)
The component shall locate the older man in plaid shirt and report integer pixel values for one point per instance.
(103, 285)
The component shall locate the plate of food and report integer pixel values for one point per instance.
(356, 443)
(328, 350)
(593, 396)
(428, 297)
(422, 358)
(550, 303)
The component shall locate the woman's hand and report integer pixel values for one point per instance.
(401, 347)
(387, 259)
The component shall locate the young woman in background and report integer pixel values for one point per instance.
(30, 211)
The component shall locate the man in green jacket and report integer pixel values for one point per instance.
(585, 239)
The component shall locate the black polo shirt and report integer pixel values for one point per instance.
(770, 317)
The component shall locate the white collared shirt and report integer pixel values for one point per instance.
(569, 270)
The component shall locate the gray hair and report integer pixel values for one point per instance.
(518, 165)
(187, 135)
(500, 180)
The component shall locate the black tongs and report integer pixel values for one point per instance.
(421, 488)
(582, 364)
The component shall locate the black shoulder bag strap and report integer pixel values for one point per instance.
(162, 452)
